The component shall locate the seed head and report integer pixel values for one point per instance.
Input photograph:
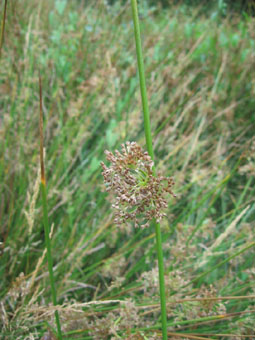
(139, 195)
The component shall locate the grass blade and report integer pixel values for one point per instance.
(45, 217)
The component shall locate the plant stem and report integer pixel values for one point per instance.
(147, 129)
(139, 53)
(2, 28)
(45, 218)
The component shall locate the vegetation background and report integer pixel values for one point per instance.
(199, 63)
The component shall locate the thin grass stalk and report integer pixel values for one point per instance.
(45, 218)
(3, 27)
(147, 130)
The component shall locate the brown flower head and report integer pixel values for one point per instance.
(139, 195)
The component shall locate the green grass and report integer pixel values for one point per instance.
(45, 215)
(199, 73)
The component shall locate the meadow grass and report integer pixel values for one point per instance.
(45, 214)
(201, 90)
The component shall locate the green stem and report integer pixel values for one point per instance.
(146, 115)
(147, 129)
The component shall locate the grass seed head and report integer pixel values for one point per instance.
(139, 195)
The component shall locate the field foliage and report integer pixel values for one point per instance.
(201, 89)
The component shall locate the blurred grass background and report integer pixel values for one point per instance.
(199, 67)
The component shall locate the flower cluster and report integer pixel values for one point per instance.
(139, 195)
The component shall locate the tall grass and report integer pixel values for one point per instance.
(45, 215)
(201, 90)
(147, 130)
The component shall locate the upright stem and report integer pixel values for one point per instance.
(147, 129)
(45, 218)
(2, 27)
(139, 53)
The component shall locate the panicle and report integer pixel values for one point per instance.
(138, 195)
